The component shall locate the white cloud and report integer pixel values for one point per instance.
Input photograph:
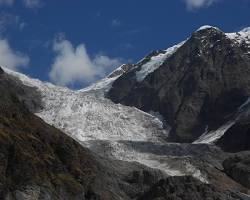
(11, 59)
(195, 4)
(74, 65)
(32, 3)
(6, 2)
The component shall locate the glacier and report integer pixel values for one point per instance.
(106, 128)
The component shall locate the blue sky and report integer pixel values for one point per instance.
(74, 43)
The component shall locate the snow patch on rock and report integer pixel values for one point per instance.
(104, 85)
(155, 62)
(212, 136)
(240, 37)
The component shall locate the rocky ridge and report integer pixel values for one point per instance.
(198, 88)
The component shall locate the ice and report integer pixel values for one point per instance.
(91, 119)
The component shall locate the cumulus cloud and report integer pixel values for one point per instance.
(32, 3)
(74, 65)
(6, 2)
(10, 58)
(195, 4)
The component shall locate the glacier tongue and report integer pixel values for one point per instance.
(105, 127)
(88, 115)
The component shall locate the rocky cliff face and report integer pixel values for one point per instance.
(197, 88)
(238, 167)
(236, 138)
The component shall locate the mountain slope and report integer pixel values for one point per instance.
(40, 162)
(116, 131)
(197, 88)
(173, 187)
(111, 130)
(33, 154)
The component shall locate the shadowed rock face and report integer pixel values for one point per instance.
(37, 160)
(1, 70)
(201, 85)
(237, 138)
(185, 188)
(29, 96)
(238, 167)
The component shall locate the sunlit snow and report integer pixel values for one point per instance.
(241, 36)
(213, 136)
(206, 27)
(156, 61)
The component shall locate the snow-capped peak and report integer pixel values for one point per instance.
(207, 27)
(246, 30)
(105, 84)
(240, 36)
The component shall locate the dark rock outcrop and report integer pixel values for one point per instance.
(1, 70)
(37, 159)
(29, 96)
(201, 85)
(236, 138)
(185, 188)
(238, 168)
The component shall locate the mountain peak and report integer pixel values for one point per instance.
(189, 87)
(247, 29)
(242, 36)
(207, 27)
